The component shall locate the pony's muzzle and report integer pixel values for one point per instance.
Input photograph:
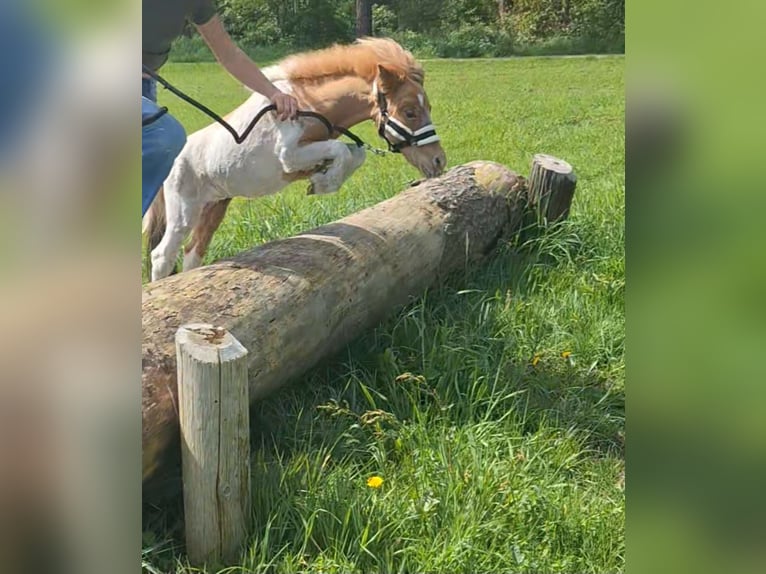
(440, 162)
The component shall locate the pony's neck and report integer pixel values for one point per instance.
(345, 100)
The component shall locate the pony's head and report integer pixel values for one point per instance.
(391, 77)
(403, 117)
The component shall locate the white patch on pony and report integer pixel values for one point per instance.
(274, 73)
(422, 100)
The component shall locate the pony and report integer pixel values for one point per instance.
(371, 79)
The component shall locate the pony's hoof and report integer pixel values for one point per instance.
(320, 189)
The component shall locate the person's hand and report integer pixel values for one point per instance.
(287, 106)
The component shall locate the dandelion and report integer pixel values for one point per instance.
(566, 354)
(375, 481)
(535, 360)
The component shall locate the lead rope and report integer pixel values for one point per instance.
(239, 138)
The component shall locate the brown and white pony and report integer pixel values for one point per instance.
(372, 79)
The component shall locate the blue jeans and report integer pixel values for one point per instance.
(27, 57)
(161, 142)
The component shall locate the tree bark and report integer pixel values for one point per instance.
(363, 18)
(295, 301)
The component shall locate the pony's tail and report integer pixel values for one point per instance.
(155, 222)
(154, 225)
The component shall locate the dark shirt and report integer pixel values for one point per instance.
(163, 22)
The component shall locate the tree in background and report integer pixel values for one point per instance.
(363, 18)
(433, 27)
(299, 23)
(251, 21)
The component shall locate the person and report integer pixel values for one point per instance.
(163, 136)
(26, 59)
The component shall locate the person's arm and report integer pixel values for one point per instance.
(239, 65)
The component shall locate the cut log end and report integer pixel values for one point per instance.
(551, 185)
(495, 178)
(205, 342)
(551, 163)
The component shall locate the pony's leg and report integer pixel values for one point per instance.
(323, 181)
(212, 215)
(182, 214)
(295, 158)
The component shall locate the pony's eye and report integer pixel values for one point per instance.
(411, 114)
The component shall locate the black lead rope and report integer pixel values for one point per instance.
(239, 138)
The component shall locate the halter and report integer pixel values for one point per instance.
(402, 135)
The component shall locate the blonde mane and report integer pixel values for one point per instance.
(359, 59)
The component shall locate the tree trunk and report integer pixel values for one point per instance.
(295, 301)
(363, 18)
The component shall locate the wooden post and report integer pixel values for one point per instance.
(551, 186)
(215, 442)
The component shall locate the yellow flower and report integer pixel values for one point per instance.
(374, 481)
(566, 354)
(535, 360)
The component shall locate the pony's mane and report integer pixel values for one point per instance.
(359, 59)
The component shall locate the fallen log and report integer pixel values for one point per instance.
(298, 300)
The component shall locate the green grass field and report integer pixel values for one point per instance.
(499, 450)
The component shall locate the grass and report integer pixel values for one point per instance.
(499, 450)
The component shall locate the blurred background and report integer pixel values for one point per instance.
(69, 294)
(696, 425)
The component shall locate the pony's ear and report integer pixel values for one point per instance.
(389, 79)
(418, 74)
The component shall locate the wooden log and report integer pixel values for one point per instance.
(551, 187)
(298, 300)
(215, 442)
